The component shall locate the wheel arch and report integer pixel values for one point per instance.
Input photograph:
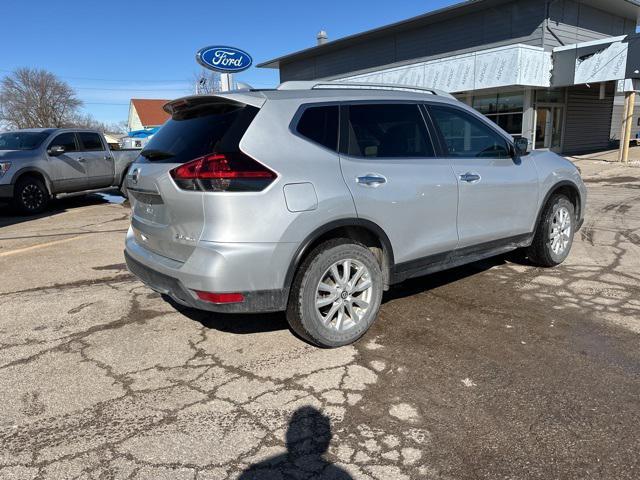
(567, 188)
(365, 231)
(33, 172)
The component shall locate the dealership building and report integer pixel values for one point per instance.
(553, 71)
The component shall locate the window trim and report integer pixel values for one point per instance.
(344, 125)
(295, 121)
(81, 143)
(75, 139)
(481, 118)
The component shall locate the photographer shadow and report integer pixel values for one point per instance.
(308, 438)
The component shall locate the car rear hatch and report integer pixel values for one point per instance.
(167, 212)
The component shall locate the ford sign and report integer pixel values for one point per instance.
(224, 59)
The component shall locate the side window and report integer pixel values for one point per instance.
(387, 131)
(91, 142)
(467, 136)
(320, 124)
(66, 140)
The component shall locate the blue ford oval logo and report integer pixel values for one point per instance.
(224, 59)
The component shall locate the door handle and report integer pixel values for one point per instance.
(470, 177)
(80, 159)
(371, 180)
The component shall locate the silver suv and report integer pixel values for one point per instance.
(315, 198)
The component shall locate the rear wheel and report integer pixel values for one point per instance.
(123, 185)
(336, 294)
(30, 195)
(554, 235)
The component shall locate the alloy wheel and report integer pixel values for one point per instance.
(343, 295)
(32, 197)
(560, 235)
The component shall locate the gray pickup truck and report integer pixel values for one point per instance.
(38, 164)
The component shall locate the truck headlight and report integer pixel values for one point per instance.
(4, 166)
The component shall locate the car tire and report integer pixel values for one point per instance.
(30, 196)
(123, 186)
(123, 189)
(554, 235)
(330, 306)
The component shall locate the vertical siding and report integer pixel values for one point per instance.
(519, 21)
(573, 22)
(588, 119)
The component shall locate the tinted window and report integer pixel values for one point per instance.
(467, 136)
(391, 131)
(90, 141)
(320, 124)
(193, 133)
(21, 140)
(66, 140)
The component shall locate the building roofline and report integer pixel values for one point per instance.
(356, 37)
(429, 17)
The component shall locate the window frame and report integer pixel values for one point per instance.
(344, 128)
(75, 139)
(295, 121)
(81, 143)
(472, 113)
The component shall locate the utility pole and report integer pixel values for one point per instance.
(625, 133)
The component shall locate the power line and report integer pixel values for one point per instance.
(177, 89)
(106, 103)
(108, 79)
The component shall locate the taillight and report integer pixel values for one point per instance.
(223, 173)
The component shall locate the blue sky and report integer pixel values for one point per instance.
(112, 51)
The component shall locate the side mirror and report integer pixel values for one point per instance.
(56, 150)
(521, 145)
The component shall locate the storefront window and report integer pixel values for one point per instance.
(504, 108)
(486, 104)
(550, 96)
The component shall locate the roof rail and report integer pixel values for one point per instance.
(333, 85)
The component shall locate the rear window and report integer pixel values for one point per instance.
(91, 142)
(388, 131)
(320, 124)
(190, 135)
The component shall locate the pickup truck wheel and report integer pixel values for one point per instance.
(123, 188)
(30, 196)
(336, 294)
(554, 235)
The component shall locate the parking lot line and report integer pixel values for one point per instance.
(40, 245)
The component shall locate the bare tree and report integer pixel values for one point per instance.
(32, 98)
(85, 120)
(206, 82)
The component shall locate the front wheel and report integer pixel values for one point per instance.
(554, 235)
(336, 294)
(30, 196)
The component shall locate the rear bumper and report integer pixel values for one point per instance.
(257, 271)
(254, 302)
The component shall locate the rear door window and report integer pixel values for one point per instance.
(320, 125)
(466, 136)
(66, 140)
(387, 131)
(192, 134)
(91, 142)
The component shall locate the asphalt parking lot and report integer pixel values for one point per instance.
(497, 370)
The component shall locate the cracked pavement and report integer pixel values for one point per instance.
(494, 370)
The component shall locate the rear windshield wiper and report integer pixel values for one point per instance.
(152, 154)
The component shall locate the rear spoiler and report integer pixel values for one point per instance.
(239, 98)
